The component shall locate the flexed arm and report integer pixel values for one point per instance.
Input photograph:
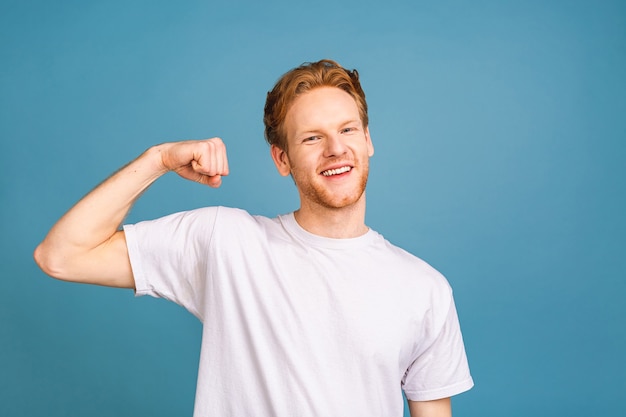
(86, 245)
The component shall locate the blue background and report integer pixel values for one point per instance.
(499, 130)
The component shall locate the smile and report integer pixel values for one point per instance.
(336, 171)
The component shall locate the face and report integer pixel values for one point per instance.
(328, 149)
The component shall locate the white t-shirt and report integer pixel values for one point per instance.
(296, 324)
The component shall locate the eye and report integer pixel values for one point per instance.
(311, 139)
(348, 130)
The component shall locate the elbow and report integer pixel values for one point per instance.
(48, 262)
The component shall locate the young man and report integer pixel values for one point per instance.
(308, 314)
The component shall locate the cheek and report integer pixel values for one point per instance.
(300, 162)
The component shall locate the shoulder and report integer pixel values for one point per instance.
(240, 219)
(404, 258)
(197, 221)
(233, 222)
(211, 213)
(415, 272)
(238, 225)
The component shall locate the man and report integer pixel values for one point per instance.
(308, 314)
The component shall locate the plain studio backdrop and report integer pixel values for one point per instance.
(499, 129)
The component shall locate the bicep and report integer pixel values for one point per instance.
(111, 266)
(435, 408)
(108, 264)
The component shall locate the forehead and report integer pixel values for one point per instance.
(320, 108)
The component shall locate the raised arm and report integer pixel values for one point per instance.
(86, 245)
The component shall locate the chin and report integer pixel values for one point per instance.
(334, 201)
(318, 193)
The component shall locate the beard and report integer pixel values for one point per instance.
(313, 189)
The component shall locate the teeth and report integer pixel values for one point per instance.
(337, 171)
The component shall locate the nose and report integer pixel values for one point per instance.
(334, 146)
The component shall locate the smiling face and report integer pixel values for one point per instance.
(328, 149)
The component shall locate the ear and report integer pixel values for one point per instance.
(280, 160)
(370, 145)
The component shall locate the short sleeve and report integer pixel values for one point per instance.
(441, 370)
(169, 256)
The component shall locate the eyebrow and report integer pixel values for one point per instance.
(308, 131)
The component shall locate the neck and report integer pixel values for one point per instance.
(337, 223)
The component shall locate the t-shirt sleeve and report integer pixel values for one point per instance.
(169, 256)
(441, 370)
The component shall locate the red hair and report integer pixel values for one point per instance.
(306, 77)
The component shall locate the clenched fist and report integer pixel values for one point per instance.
(202, 161)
